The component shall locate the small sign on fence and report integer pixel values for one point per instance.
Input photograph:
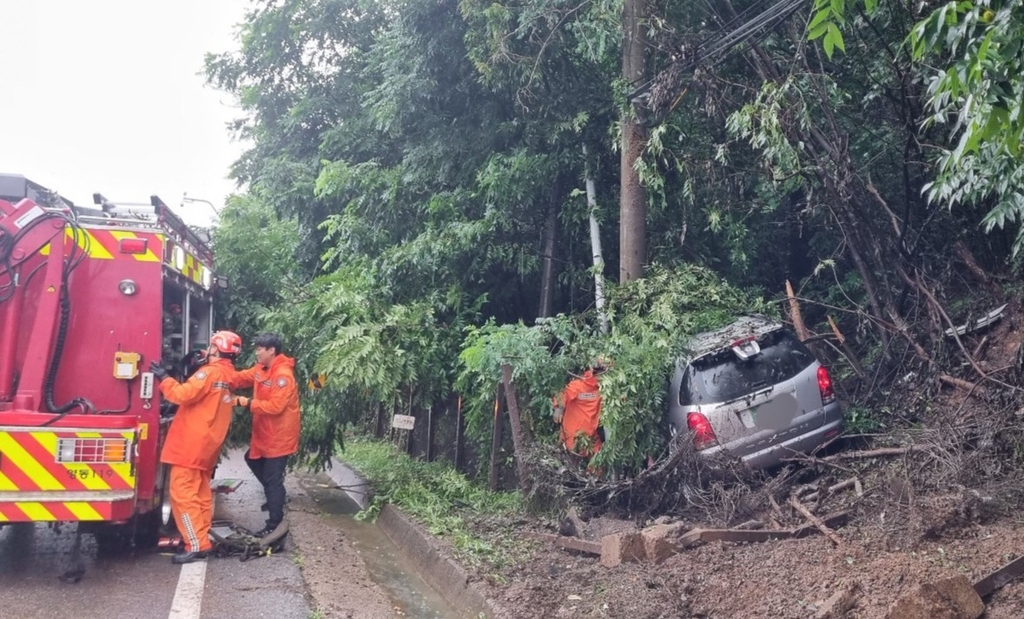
(403, 422)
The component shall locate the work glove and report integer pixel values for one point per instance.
(242, 401)
(558, 413)
(158, 370)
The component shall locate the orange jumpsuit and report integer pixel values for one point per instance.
(582, 402)
(274, 406)
(193, 446)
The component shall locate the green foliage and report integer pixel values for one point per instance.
(251, 234)
(860, 419)
(650, 320)
(438, 497)
(829, 17)
(979, 93)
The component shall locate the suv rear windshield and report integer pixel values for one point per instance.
(722, 376)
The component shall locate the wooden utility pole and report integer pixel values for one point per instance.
(496, 438)
(517, 428)
(633, 195)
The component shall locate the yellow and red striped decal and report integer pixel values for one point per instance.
(101, 244)
(55, 511)
(28, 463)
(186, 263)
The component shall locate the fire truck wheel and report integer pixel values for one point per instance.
(142, 532)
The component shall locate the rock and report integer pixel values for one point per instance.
(952, 598)
(657, 546)
(841, 601)
(572, 525)
(620, 547)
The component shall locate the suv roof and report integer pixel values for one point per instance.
(756, 325)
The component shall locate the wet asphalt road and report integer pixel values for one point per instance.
(143, 584)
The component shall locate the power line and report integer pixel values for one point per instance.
(713, 52)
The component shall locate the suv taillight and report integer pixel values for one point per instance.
(825, 386)
(703, 435)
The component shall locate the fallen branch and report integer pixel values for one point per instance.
(967, 386)
(795, 315)
(847, 352)
(843, 485)
(817, 522)
(695, 536)
(874, 453)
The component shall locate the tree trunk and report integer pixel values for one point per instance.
(547, 278)
(633, 197)
(595, 247)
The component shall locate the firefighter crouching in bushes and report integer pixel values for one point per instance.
(578, 410)
(195, 438)
(275, 421)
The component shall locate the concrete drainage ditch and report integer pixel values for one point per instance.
(399, 555)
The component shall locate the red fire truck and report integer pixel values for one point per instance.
(88, 297)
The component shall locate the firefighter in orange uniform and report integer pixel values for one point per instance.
(195, 438)
(275, 421)
(578, 410)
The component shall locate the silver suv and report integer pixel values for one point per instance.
(753, 390)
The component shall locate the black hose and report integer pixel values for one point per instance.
(74, 259)
(126, 406)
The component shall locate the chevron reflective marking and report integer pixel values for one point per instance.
(16, 455)
(36, 512)
(6, 484)
(149, 256)
(47, 442)
(53, 511)
(83, 511)
(89, 243)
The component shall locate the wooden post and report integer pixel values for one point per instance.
(496, 440)
(430, 433)
(378, 428)
(517, 428)
(459, 432)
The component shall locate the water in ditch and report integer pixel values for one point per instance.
(386, 563)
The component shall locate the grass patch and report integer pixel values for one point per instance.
(476, 521)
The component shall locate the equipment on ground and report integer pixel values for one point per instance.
(89, 297)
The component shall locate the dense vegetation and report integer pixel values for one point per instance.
(414, 210)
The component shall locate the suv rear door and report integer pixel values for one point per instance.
(757, 401)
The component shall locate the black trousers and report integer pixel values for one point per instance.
(270, 473)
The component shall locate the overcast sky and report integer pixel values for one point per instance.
(105, 95)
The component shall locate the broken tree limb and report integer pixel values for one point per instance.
(980, 347)
(853, 482)
(795, 315)
(874, 453)
(568, 543)
(850, 356)
(962, 384)
(817, 522)
(837, 519)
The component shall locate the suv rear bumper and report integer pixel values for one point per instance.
(802, 443)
